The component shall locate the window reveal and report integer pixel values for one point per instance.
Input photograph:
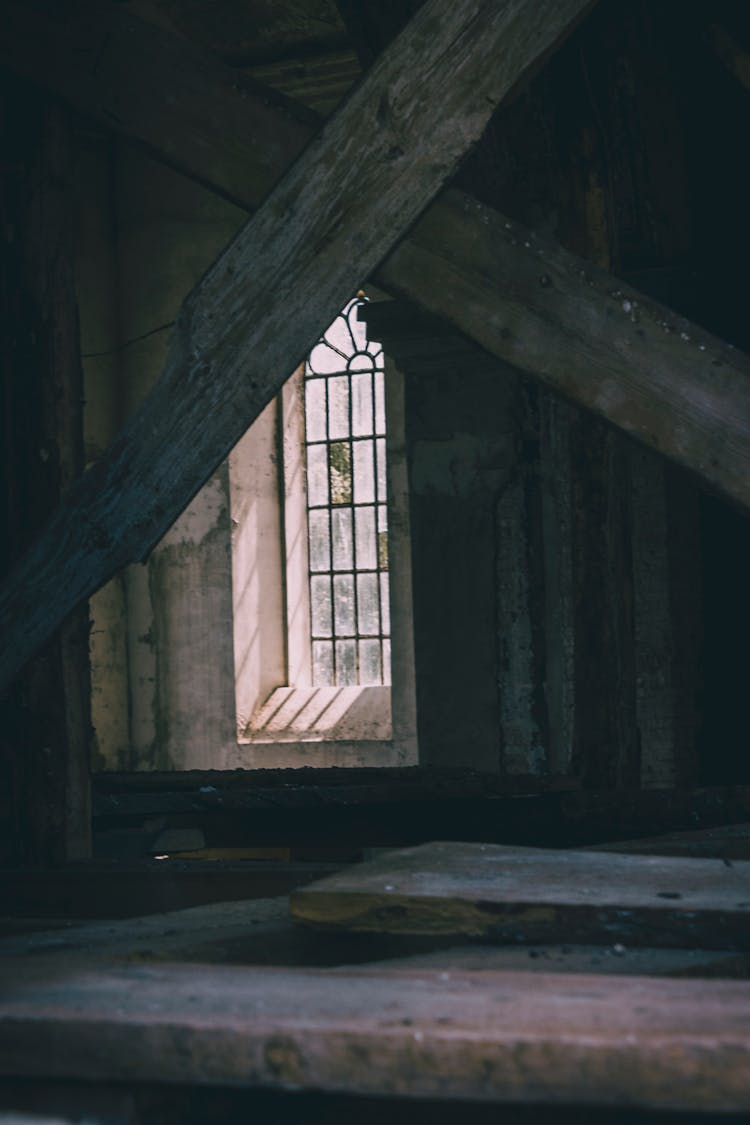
(345, 449)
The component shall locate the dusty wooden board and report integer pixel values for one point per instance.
(530, 895)
(258, 310)
(584, 334)
(260, 933)
(490, 1036)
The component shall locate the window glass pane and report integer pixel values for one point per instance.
(315, 409)
(381, 470)
(368, 608)
(379, 402)
(386, 661)
(382, 537)
(361, 404)
(343, 602)
(365, 530)
(369, 662)
(338, 407)
(320, 554)
(364, 472)
(347, 515)
(322, 360)
(385, 603)
(362, 361)
(320, 605)
(346, 662)
(322, 656)
(317, 474)
(343, 533)
(340, 469)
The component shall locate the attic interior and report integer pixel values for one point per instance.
(198, 812)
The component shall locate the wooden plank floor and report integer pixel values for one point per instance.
(528, 894)
(506, 1037)
(259, 932)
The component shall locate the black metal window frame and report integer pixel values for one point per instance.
(345, 459)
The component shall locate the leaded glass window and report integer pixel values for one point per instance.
(347, 513)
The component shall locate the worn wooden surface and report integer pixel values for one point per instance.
(259, 932)
(376, 165)
(586, 335)
(531, 894)
(484, 1035)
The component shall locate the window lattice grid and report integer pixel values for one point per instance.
(345, 446)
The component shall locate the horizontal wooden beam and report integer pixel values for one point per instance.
(237, 811)
(502, 1037)
(594, 339)
(254, 315)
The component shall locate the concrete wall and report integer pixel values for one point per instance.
(162, 634)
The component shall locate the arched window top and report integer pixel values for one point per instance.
(344, 345)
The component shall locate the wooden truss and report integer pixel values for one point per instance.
(345, 203)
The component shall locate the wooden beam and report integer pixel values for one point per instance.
(586, 335)
(504, 1037)
(524, 895)
(649, 367)
(259, 309)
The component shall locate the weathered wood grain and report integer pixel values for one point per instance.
(503, 1037)
(586, 335)
(527, 894)
(258, 310)
(258, 932)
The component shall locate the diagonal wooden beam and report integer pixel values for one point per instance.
(584, 334)
(338, 211)
(204, 122)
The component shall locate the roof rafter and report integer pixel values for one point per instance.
(341, 207)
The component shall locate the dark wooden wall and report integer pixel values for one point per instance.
(607, 594)
(44, 716)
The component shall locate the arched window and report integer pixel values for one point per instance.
(322, 606)
(347, 510)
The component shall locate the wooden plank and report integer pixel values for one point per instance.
(259, 932)
(194, 124)
(258, 310)
(529, 895)
(587, 336)
(503, 1037)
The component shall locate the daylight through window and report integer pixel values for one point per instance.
(347, 516)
